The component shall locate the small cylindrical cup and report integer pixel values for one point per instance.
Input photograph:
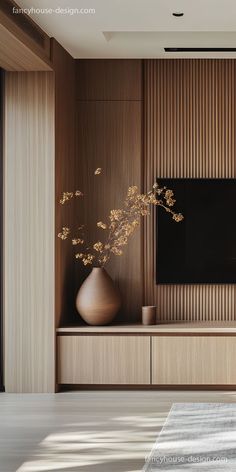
(149, 315)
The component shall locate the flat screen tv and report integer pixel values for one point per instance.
(202, 248)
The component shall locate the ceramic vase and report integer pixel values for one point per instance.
(98, 300)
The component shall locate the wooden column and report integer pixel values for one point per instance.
(29, 177)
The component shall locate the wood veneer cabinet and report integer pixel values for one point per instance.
(184, 354)
(193, 360)
(104, 360)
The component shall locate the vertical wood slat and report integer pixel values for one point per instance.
(189, 116)
(66, 163)
(29, 179)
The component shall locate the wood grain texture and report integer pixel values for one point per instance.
(109, 136)
(25, 30)
(15, 55)
(109, 79)
(104, 360)
(66, 180)
(189, 131)
(29, 177)
(174, 328)
(193, 360)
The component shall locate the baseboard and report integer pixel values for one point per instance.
(69, 387)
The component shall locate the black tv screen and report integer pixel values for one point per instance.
(202, 248)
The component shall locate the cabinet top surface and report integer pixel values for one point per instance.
(185, 327)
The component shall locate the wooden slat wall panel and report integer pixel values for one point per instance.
(29, 179)
(66, 180)
(189, 131)
(109, 135)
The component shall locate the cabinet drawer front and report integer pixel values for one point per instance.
(193, 360)
(103, 360)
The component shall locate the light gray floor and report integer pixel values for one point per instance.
(104, 431)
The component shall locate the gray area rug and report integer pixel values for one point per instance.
(196, 436)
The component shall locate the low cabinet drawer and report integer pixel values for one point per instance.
(104, 360)
(193, 360)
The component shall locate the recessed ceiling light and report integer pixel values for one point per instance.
(178, 14)
(186, 49)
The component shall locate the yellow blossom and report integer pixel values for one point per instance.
(77, 241)
(123, 222)
(152, 199)
(103, 259)
(144, 198)
(79, 255)
(64, 233)
(144, 212)
(115, 215)
(98, 246)
(121, 241)
(177, 217)
(116, 251)
(132, 191)
(65, 197)
(88, 259)
(129, 228)
(170, 202)
(168, 194)
(102, 225)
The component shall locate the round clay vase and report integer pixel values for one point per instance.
(98, 300)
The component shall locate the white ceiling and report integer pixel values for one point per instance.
(139, 28)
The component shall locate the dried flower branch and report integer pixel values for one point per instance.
(77, 241)
(102, 225)
(122, 222)
(66, 196)
(64, 233)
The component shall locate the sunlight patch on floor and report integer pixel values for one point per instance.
(78, 448)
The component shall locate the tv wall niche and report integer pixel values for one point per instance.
(202, 248)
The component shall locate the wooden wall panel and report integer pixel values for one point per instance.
(109, 135)
(102, 79)
(29, 177)
(189, 131)
(66, 180)
(18, 52)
